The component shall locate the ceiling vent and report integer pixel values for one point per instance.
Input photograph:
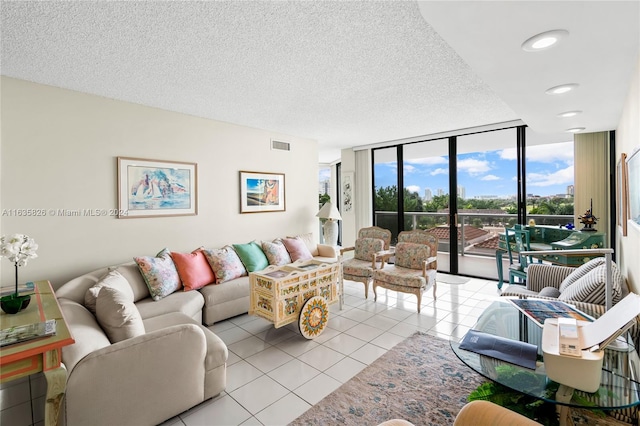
(280, 146)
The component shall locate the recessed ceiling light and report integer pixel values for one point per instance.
(544, 40)
(575, 130)
(569, 114)
(563, 88)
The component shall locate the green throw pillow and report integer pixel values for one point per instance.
(252, 256)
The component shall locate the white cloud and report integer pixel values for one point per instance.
(439, 172)
(473, 166)
(429, 161)
(560, 177)
(490, 177)
(548, 153)
(413, 188)
(409, 168)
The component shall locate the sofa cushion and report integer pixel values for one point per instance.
(581, 272)
(232, 290)
(132, 274)
(188, 302)
(86, 331)
(113, 279)
(549, 292)
(276, 253)
(309, 241)
(193, 269)
(591, 288)
(225, 263)
(252, 256)
(297, 249)
(117, 315)
(160, 274)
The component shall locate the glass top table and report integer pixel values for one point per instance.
(619, 385)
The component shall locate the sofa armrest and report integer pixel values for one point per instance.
(325, 250)
(540, 275)
(165, 365)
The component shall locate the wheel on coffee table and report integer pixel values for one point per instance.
(314, 316)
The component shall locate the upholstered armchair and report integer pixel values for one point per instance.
(413, 271)
(367, 256)
(584, 284)
(422, 237)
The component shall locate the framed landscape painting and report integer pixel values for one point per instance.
(261, 192)
(151, 188)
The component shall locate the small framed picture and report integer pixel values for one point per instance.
(151, 188)
(261, 192)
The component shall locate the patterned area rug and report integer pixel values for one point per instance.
(419, 380)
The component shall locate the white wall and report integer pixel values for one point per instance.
(628, 139)
(59, 151)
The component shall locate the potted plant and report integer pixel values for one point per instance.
(18, 248)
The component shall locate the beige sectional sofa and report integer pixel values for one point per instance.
(173, 365)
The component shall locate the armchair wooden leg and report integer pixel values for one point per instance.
(375, 294)
(419, 294)
(366, 289)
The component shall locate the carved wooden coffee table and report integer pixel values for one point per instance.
(301, 291)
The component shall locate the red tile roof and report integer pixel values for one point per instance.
(470, 232)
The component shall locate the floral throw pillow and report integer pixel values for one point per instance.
(297, 249)
(225, 263)
(160, 274)
(276, 253)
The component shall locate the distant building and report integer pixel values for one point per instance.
(486, 197)
(324, 187)
(440, 191)
(428, 195)
(570, 190)
(461, 192)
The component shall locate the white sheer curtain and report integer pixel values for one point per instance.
(591, 178)
(363, 202)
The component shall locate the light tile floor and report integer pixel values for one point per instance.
(275, 375)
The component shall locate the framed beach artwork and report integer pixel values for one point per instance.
(261, 192)
(151, 188)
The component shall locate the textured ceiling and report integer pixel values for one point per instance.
(343, 73)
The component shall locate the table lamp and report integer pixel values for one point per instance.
(330, 227)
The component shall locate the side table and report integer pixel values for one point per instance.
(44, 354)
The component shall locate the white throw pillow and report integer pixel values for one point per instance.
(113, 279)
(118, 315)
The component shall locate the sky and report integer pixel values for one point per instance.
(488, 173)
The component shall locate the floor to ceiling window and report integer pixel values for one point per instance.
(385, 190)
(549, 181)
(466, 189)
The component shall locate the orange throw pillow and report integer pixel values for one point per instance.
(193, 269)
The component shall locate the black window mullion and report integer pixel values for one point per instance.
(453, 205)
(400, 157)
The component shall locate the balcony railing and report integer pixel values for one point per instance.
(470, 242)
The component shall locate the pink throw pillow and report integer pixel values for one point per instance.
(297, 249)
(193, 269)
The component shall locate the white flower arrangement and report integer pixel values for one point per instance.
(18, 248)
